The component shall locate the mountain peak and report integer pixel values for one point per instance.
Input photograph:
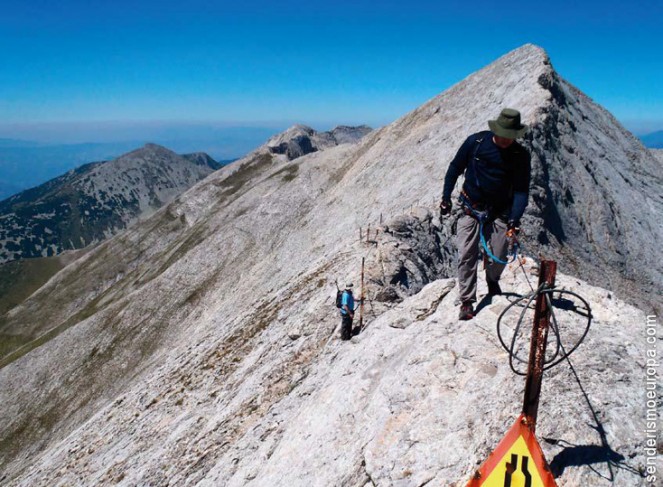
(149, 149)
(300, 139)
(300, 127)
(526, 56)
(153, 146)
(530, 50)
(513, 80)
(92, 202)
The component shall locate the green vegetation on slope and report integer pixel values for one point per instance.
(19, 279)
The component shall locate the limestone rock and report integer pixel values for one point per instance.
(300, 140)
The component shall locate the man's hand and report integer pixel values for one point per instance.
(512, 229)
(445, 207)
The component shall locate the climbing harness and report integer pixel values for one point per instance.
(482, 216)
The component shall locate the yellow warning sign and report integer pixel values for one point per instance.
(516, 462)
(516, 469)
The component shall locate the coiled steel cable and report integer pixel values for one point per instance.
(556, 357)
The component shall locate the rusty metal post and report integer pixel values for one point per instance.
(360, 235)
(537, 352)
(368, 233)
(361, 297)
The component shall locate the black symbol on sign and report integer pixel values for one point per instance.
(511, 467)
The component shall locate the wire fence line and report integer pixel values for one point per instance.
(376, 223)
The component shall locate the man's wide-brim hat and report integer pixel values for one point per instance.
(508, 124)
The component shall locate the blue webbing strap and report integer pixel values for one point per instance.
(481, 217)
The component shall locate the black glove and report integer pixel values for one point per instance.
(445, 207)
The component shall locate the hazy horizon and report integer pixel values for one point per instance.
(31, 154)
(220, 139)
(225, 141)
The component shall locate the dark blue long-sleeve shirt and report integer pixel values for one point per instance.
(495, 177)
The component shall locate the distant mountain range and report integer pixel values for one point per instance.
(8, 189)
(96, 200)
(18, 143)
(91, 203)
(653, 140)
(27, 163)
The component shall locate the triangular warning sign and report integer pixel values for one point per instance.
(516, 462)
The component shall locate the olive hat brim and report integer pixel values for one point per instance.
(507, 133)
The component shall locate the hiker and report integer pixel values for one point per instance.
(347, 312)
(494, 195)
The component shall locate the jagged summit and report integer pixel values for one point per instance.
(513, 80)
(300, 140)
(197, 346)
(344, 134)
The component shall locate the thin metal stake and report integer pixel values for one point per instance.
(537, 353)
(361, 298)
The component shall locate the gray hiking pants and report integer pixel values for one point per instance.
(468, 242)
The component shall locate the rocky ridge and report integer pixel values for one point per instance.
(202, 159)
(18, 336)
(202, 352)
(658, 154)
(300, 140)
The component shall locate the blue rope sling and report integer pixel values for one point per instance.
(482, 217)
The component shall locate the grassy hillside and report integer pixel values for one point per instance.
(18, 280)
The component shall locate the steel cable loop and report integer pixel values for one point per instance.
(556, 358)
(511, 349)
(529, 296)
(584, 333)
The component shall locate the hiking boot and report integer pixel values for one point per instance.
(466, 311)
(494, 288)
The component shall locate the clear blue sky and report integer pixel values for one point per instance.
(321, 63)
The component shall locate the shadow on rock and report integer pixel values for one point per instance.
(577, 455)
(488, 299)
(589, 455)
